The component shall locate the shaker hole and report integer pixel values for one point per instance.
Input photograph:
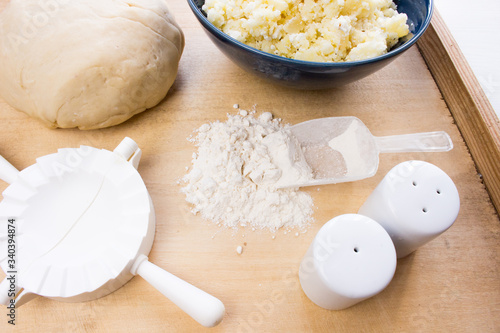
(438, 191)
(414, 183)
(356, 250)
(424, 210)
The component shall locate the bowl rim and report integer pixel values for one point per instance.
(222, 35)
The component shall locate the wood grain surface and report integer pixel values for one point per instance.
(449, 285)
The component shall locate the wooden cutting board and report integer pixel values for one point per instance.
(451, 284)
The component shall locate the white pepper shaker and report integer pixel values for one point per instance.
(351, 259)
(415, 202)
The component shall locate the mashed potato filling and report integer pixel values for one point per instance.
(312, 30)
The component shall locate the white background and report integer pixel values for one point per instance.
(475, 25)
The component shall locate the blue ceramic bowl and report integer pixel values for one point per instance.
(314, 75)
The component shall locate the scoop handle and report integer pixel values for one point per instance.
(416, 142)
(201, 306)
(8, 173)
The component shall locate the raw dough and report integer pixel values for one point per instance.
(87, 63)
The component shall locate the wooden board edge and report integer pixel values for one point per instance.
(473, 114)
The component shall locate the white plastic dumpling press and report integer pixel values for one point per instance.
(84, 224)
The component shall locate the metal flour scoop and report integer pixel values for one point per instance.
(342, 149)
(78, 224)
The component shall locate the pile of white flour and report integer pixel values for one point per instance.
(235, 173)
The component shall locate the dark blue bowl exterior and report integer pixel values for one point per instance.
(313, 75)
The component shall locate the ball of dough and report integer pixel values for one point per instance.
(87, 63)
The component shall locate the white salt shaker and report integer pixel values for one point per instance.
(415, 202)
(351, 259)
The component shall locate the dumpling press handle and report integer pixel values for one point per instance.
(201, 306)
(8, 173)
